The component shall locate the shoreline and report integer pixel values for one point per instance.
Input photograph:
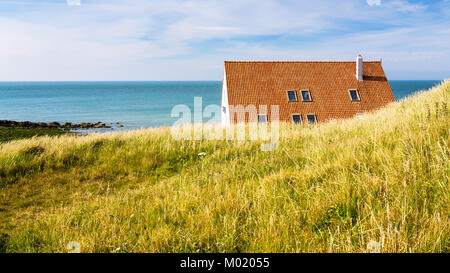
(14, 130)
(52, 125)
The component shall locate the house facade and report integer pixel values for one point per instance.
(305, 92)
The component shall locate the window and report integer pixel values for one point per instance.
(297, 118)
(292, 95)
(354, 96)
(306, 95)
(262, 118)
(311, 118)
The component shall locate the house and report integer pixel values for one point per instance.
(305, 92)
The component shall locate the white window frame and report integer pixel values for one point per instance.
(357, 94)
(301, 119)
(296, 97)
(315, 118)
(309, 92)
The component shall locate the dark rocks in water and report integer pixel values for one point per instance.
(99, 125)
(9, 123)
(67, 125)
(54, 125)
(27, 124)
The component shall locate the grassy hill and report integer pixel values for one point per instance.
(332, 187)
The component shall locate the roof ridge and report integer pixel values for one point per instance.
(298, 61)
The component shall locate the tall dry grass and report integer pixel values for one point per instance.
(332, 187)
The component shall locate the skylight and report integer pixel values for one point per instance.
(296, 118)
(354, 96)
(306, 95)
(311, 118)
(292, 95)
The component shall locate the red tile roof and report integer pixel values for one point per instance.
(266, 83)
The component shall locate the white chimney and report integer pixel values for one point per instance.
(359, 68)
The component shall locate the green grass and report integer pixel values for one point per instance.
(8, 134)
(333, 187)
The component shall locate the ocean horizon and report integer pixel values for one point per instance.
(131, 104)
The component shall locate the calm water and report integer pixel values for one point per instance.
(133, 104)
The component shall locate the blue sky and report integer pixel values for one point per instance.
(56, 40)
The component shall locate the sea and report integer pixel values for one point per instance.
(125, 105)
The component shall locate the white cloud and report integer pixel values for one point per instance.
(73, 2)
(399, 5)
(405, 6)
(374, 2)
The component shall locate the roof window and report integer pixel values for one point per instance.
(311, 118)
(292, 95)
(306, 95)
(297, 119)
(354, 96)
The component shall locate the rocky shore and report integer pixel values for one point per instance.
(52, 125)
